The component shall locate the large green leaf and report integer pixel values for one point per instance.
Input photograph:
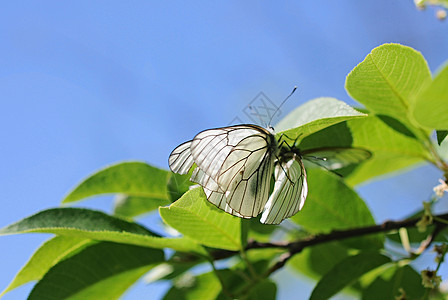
(430, 108)
(130, 178)
(389, 283)
(50, 253)
(332, 205)
(193, 216)
(101, 271)
(387, 80)
(315, 115)
(317, 260)
(347, 272)
(391, 150)
(90, 224)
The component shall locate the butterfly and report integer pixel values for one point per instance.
(235, 164)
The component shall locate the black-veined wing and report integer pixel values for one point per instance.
(236, 161)
(290, 191)
(333, 158)
(180, 160)
(212, 191)
(219, 200)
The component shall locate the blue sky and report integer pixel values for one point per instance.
(89, 83)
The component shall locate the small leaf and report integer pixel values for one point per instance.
(130, 178)
(179, 185)
(315, 115)
(265, 289)
(387, 80)
(50, 253)
(317, 260)
(347, 272)
(205, 286)
(391, 281)
(177, 265)
(193, 216)
(441, 135)
(332, 205)
(90, 224)
(104, 270)
(260, 259)
(430, 108)
(259, 231)
(131, 206)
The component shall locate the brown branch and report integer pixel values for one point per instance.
(297, 246)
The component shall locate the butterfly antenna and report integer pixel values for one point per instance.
(281, 104)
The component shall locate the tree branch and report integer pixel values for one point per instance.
(297, 246)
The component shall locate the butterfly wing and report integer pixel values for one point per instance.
(210, 148)
(219, 200)
(246, 177)
(333, 158)
(213, 192)
(290, 191)
(234, 166)
(240, 160)
(181, 160)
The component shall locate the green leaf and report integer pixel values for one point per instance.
(131, 206)
(387, 80)
(318, 260)
(193, 216)
(90, 224)
(430, 108)
(332, 205)
(347, 272)
(130, 178)
(205, 286)
(441, 135)
(50, 253)
(259, 231)
(179, 185)
(104, 270)
(391, 150)
(177, 265)
(265, 289)
(260, 260)
(315, 115)
(389, 283)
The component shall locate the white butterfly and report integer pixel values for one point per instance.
(235, 166)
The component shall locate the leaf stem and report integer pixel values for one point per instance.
(221, 281)
(248, 264)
